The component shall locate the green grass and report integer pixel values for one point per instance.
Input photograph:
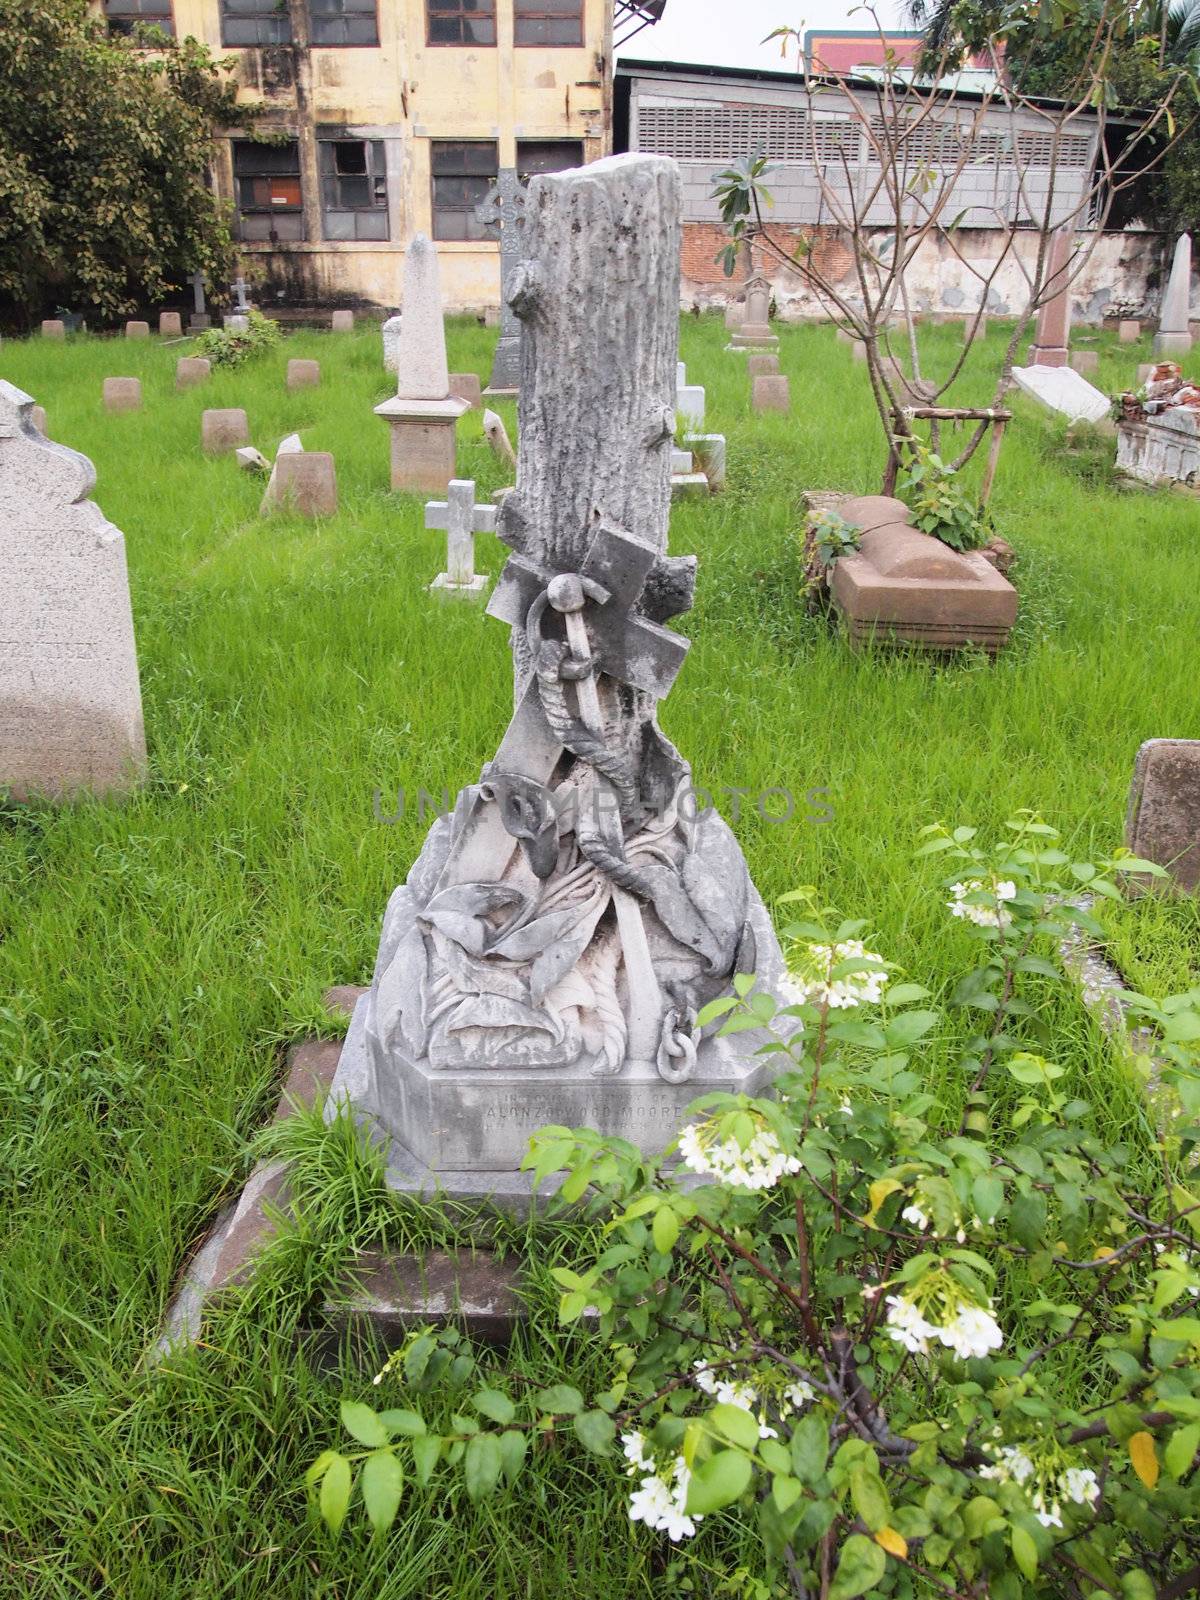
(157, 956)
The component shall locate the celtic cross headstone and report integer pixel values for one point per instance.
(504, 211)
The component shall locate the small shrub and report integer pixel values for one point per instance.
(938, 504)
(229, 347)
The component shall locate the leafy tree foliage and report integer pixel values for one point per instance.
(104, 150)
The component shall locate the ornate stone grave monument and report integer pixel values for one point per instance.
(461, 519)
(547, 956)
(1174, 336)
(504, 212)
(754, 331)
(70, 703)
(1161, 449)
(423, 413)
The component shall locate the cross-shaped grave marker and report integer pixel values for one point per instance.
(606, 637)
(197, 283)
(503, 209)
(239, 289)
(461, 519)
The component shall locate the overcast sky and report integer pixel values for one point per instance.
(727, 33)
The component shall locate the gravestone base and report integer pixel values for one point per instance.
(1161, 449)
(749, 339)
(1171, 344)
(423, 441)
(390, 1294)
(445, 588)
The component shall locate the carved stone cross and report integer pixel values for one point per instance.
(462, 519)
(503, 210)
(197, 282)
(239, 289)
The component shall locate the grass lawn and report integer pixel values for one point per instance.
(156, 957)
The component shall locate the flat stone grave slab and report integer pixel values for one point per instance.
(1062, 389)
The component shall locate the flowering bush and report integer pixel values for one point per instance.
(926, 1353)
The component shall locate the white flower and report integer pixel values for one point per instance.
(1079, 1484)
(661, 1505)
(916, 1216)
(633, 1448)
(759, 1166)
(983, 916)
(1051, 1518)
(791, 991)
(973, 1332)
(846, 1108)
(907, 1326)
(858, 988)
(1011, 1463)
(799, 1394)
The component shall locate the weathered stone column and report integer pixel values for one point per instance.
(548, 954)
(1052, 336)
(1174, 335)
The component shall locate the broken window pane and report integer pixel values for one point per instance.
(267, 183)
(353, 188)
(463, 172)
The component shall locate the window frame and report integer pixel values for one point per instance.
(461, 15)
(256, 12)
(137, 14)
(534, 11)
(374, 175)
(343, 44)
(463, 175)
(265, 173)
(524, 144)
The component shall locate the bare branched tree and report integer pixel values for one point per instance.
(892, 168)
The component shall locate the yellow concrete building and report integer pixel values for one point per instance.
(392, 117)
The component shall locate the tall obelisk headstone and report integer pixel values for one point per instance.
(70, 702)
(547, 957)
(423, 414)
(504, 210)
(1052, 335)
(1173, 337)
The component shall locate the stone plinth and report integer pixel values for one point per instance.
(1085, 361)
(1161, 449)
(391, 1295)
(199, 322)
(466, 386)
(137, 330)
(753, 336)
(771, 392)
(1162, 823)
(423, 441)
(342, 322)
(223, 430)
(122, 394)
(70, 703)
(904, 588)
(53, 328)
(303, 374)
(762, 365)
(170, 325)
(191, 370)
(303, 482)
(1129, 330)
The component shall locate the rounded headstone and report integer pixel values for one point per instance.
(342, 321)
(170, 324)
(53, 328)
(191, 370)
(771, 392)
(122, 394)
(137, 330)
(467, 387)
(223, 430)
(305, 482)
(302, 374)
(1129, 330)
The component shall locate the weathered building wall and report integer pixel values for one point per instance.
(406, 94)
(1124, 273)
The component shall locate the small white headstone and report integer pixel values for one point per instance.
(70, 703)
(1062, 389)
(391, 344)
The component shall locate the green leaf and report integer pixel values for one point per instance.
(860, 1567)
(1180, 1450)
(426, 1449)
(513, 1448)
(560, 1399)
(595, 1431)
(482, 1464)
(407, 1423)
(720, 1481)
(382, 1486)
(810, 1447)
(987, 1192)
(908, 1027)
(492, 1403)
(665, 1230)
(870, 1498)
(785, 1491)
(319, 1468)
(714, 1009)
(364, 1424)
(736, 1424)
(335, 1493)
(1024, 1552)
